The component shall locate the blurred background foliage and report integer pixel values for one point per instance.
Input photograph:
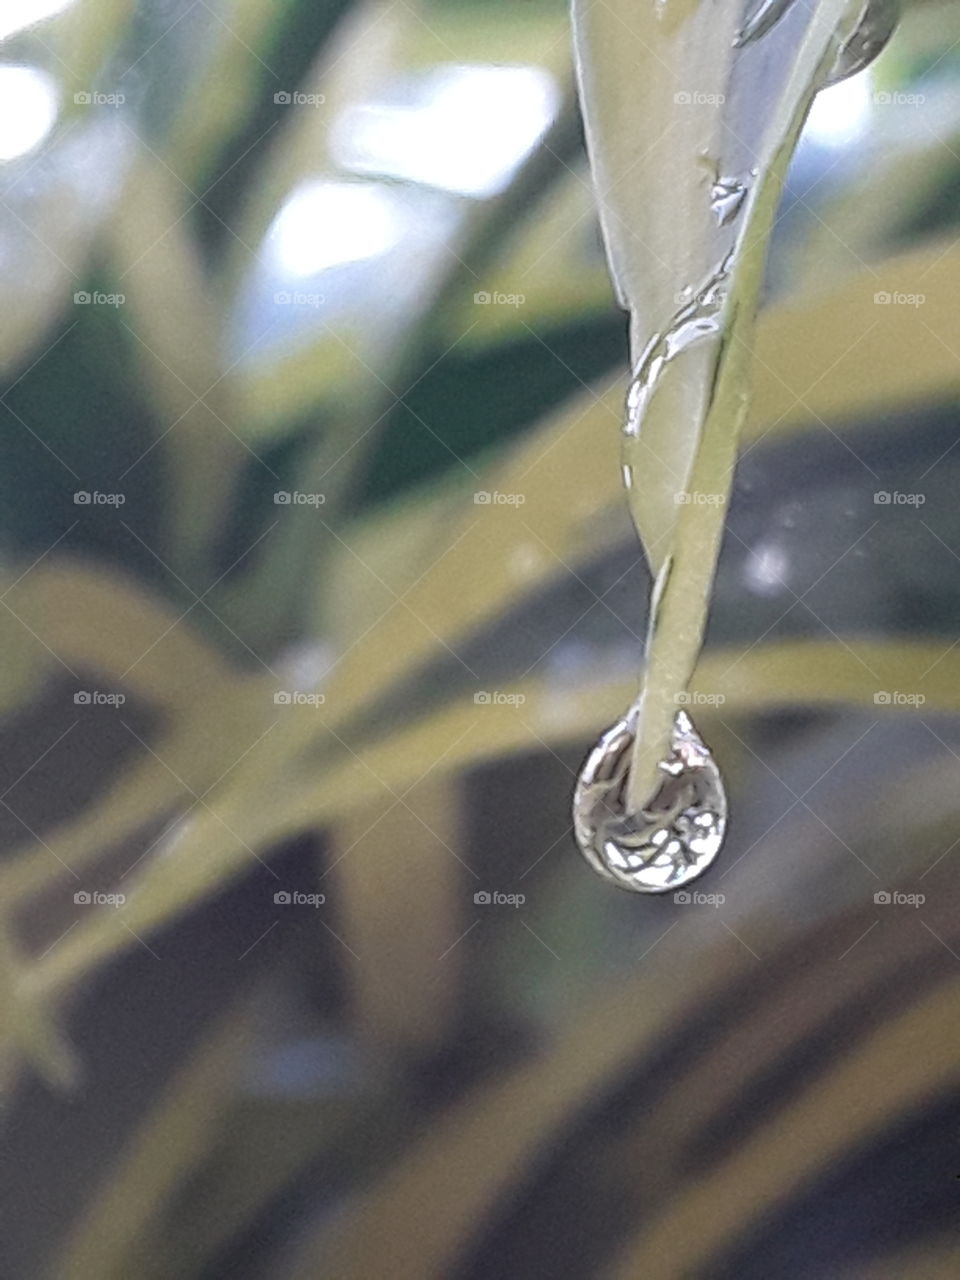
(347, 253)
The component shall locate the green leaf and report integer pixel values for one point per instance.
(688, 161)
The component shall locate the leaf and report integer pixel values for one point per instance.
(833, 1115)
(270, 797)
(84, 36)
(688, 161)
(29, 1028)
(403, 914)
(414, 1220)
(172, 1140)
(174, 329)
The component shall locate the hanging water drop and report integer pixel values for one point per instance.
(675, 837)
(877, 23)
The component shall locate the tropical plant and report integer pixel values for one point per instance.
(319, 582)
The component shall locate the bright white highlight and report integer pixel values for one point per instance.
(841, 114)
(328, 224)
(465, 128)
(28, 109)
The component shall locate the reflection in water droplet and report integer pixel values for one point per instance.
(675, 837)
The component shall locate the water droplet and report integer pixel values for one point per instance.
(726, 199)
(877, 24)
(696, 320)
(766, 15)
(675, 837)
